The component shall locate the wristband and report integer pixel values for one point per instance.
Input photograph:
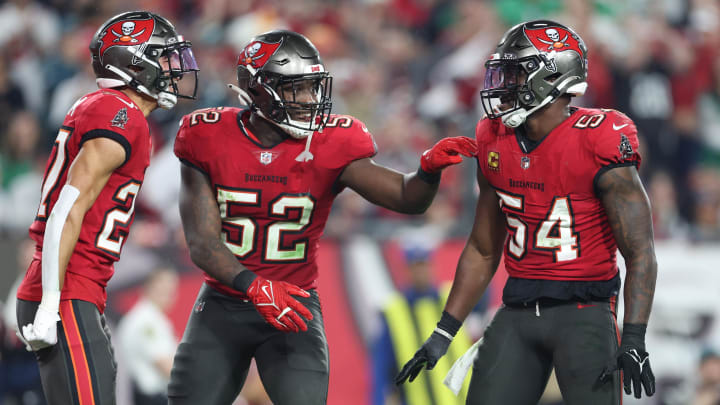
(634, 336)
(242, 281)
(449, 324)
(430, 178)
(51, 301)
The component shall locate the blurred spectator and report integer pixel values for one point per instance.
(30, 32)
(19, 148)
(146, 338)
(72, 77)
(20, 176)
(708, 388)
(11, 96)
(407, 317)
(666, 218)
(409, 69)
(705, 183)
(19, 374)
(27, 18)
(162, 186)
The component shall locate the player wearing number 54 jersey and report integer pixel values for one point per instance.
(257, 187)
(87, 203)
(559, 195)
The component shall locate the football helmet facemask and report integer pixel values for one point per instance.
(283, 79)
(142, 50)
(535, 63)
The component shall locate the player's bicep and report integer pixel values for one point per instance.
(198, 206)
(92, 167)
(628, 210)
(378, 184)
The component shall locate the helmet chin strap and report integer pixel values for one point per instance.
(244, 98)
(164, 99)
(518, 117)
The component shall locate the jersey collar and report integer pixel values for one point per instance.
(527, 145)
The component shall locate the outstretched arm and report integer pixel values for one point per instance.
(388, 188)
(406, 193)
(628, 211)
(203, 231)
(475, 269)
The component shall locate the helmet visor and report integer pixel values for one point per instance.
(182, 61)
(500, 75)
(502, 82)
(179, 69)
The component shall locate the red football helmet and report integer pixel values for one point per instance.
(142, 50)
(285, 59)
(535, 63)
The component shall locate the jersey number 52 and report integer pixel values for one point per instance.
(280, 208)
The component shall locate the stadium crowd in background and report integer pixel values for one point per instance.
(411, 70)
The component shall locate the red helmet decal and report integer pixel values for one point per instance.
(257, 53)
(127, 33)
(558, 39)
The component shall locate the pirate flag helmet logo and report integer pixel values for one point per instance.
(143, 51)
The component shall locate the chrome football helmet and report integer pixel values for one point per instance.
(283, 79)
(142, 50)
(535, 63)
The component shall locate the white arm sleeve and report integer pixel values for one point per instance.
(51, 247)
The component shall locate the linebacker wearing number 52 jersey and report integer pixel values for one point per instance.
(559, 195)
(257, 187)
(87, 203)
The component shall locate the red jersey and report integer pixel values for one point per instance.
(557, 226)
(273, 208)
(103, 114)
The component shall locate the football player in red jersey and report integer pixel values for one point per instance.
(86, 208)
(257, 187)
(559, 195)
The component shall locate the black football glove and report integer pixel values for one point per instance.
(435, 347)
(633, 361)
(432, 350)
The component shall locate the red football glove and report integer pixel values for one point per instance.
(447, 152)
(274, 302)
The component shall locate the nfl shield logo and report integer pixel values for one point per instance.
(266, 157)
(525, 162)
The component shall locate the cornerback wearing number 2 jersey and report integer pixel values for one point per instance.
(109, 114)
(273, 207)
(557, 227)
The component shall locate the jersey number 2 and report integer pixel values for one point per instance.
(119, 216)
(555, 234)
(247, 227)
